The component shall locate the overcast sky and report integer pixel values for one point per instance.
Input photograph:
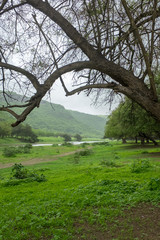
(80, 102)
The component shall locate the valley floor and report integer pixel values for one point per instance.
(100, 191)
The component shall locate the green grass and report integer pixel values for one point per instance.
(9, 141)
(75, 191)
(42, 152)
(54, 140)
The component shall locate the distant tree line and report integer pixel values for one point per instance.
(24, 132)
(130, 121)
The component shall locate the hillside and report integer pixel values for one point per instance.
(55, 118)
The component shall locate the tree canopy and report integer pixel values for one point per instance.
(24, 132)
(130, 121)
(112, 46)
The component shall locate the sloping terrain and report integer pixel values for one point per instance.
(55, 118)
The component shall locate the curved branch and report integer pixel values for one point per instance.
(141, 44)
(11, 7)
(30, 76)
(91, 86)
(5, 109)
(76, 66)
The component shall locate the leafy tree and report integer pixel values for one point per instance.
(114, 127)
(5, 129)
(78, 137)
(67, 137)
(108, 45)
(25, 132)
(129, 120)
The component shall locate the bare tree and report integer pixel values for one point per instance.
(109, 45)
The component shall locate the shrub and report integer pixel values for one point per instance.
(108, 163)
(140, 165)
(39, 178)
(20, 172)
(85, 152)
(12, 151)
(9, 152)
(154, 184)
(27, 148)
(76, 158)
(67, 144)
(101, 143)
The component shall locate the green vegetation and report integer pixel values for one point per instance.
(94, 187)
(130, 121)
(12, 151)
(25, 132)
(58, 120)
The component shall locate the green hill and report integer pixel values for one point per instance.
(55, 118)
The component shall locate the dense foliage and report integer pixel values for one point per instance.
(129, 120)
(25, 132)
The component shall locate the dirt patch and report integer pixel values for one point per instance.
(138, 223)
(39, 160)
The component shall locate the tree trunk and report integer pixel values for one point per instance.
(124, 140)
(143, 135)
(136, 140)
(142, 140)
(126, 82)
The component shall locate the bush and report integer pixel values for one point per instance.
(9, 152)
(140, 165)
(20, 172)
(27, 148)
(67, 144)
(154, 184)
(108, 163)
(76, 158)
(85, 152)
(101, 143)
(12, 151)
(39, 178)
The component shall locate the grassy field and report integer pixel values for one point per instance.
(109, 191)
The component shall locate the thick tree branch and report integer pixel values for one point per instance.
(30, 76)
(76, 66)
(110, 68)
(11, 7)
(145, 55)
(129, 51)
(43, 88)
(92, 86)
(6, 109)
(51, 50)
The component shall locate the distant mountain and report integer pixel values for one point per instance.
(55, 118)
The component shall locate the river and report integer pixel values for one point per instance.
(74, 143)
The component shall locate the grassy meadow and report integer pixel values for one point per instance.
(106, 191)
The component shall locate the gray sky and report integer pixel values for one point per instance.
(79, 102)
